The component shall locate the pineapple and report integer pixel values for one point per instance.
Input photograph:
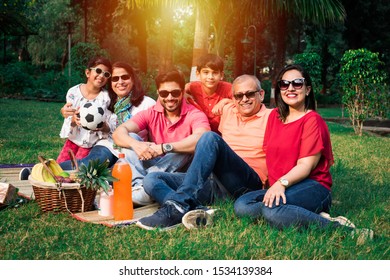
(96, 175)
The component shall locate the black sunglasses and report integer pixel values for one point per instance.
(297, 83)
(248, 94)
(175, 93)
(123, 77)
(100, 71)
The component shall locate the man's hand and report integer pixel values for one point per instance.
(144, 150)
(157, 149)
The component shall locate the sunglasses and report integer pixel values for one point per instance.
(297, 83)
(175, 93)
(100, 71)
(123, 77)
(248, 95)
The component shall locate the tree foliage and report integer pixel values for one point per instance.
(364, 83)
(49, 46)
(311, 61)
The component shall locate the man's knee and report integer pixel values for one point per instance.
(150, 180)
(208, 137)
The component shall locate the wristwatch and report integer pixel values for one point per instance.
(284, 182)
(167, 148)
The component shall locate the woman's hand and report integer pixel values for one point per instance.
(299, 172)
(274, 193)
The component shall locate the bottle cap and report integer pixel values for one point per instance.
(121, 155)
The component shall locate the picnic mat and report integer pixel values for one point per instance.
(94, 217)
(10, 174)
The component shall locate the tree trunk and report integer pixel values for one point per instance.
(280, 54)
(85, 9)
(166, 37)
(239, 52)
(140, 22)
(200, 40)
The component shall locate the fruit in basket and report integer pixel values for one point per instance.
(40, 173)
(96, 175)
(55, 167)
(64, 174)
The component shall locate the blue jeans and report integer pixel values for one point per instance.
(171, 162)
(304, 201)
(97, 152)
(212, 156)
(162, 185)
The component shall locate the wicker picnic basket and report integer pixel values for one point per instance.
(62, 197)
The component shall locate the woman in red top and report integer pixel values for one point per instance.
(299, 156)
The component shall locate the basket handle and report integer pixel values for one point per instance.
(44, 163)
(73, 160)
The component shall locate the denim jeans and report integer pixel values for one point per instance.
(304, 201)
(162, 185)
(212, 156)
(97, 152)
(171, 162)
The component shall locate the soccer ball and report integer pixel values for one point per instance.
(91, 116)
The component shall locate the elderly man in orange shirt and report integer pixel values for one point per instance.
(237, 159)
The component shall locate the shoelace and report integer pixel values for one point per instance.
(165, 211)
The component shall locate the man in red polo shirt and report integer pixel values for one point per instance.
(174, 128)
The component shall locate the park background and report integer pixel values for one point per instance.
(46, 45)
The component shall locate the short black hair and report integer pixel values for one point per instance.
(210, 60)
(171, 76)
(94, 61)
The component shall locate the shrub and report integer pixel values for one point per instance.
(51, 85)
(16, 79)
(364, 85)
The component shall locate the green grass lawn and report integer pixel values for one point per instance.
(361, 192)
(333, 112)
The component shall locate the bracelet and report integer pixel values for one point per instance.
(162, 148)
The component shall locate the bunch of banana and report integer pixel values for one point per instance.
(40, 173)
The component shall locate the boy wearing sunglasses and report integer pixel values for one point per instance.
(173, 127)
(210, 89)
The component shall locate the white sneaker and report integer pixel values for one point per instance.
(140, 197)
(198, 218)
(24, 173)
(340, 219)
